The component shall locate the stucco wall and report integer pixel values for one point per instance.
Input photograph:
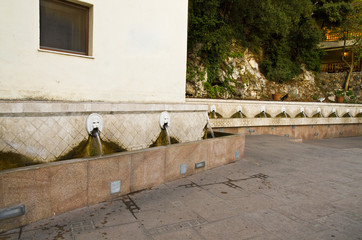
(138, 54)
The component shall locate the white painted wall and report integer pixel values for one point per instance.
(139, 54)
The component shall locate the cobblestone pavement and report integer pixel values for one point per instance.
(280, 190)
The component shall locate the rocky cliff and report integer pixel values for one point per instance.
(243, 80)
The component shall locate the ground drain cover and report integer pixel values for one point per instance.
(190, 185)
(83, 226)
(260, 175)
(131, 205)
(177, 226)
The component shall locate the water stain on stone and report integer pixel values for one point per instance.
(90, 148)
(162, 140)
(5, 237)
(86, 148)
(9, 160)
(237, 115)
(261, 115)
(214, 115)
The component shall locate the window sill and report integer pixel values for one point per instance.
(65, 53)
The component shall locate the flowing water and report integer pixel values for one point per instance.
(168, 134)
(210, 128)
(99, 143)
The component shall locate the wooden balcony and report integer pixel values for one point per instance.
(338, 67)
(337, 36)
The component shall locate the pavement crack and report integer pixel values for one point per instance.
(20, 232)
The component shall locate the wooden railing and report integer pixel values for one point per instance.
(336, 36)
(338, 67)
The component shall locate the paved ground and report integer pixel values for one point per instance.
(280, 190)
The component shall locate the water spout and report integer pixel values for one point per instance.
(320, 112)
(240, 111)
(209, 126)
(213, 111)
(165, 126)
(95, 133)
(94, 125)
(302, 112)
(284, 112)
(262, 109)
(334, 113)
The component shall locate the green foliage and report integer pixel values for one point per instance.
(331, 13)
(194, 74)
(353, 24)
(340, 93)
(286, 32)
(208, 30)
(348, 96)
(211, 90)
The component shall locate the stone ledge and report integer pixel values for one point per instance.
(15, 107)
(253, 102)
(55, 188)
(246, 122)
(226, 108)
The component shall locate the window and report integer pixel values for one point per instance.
(64, 26)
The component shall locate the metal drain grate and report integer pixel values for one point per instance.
(131, 205)
(190, 185)
(260, 175)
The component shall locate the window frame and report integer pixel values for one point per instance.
(87, 30)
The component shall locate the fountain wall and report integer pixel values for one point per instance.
(134, 53)
(320, 120)
(45, 131)
(55, 188)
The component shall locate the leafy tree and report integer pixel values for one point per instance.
(208, 29)
(286, 32)
(331, 13)
(351, 30)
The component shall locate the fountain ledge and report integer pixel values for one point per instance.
(23, 107)
(50, 189)
(250, 122)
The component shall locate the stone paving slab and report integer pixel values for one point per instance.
(281, 190)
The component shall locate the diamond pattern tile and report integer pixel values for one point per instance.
(187, 127)
(46, 138)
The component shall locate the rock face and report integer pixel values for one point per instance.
(329, 82)
(247, 82)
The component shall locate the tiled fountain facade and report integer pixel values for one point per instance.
(44, 131)
(251, 110)
(335, 120)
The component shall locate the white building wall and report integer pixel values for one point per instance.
(138, 54)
